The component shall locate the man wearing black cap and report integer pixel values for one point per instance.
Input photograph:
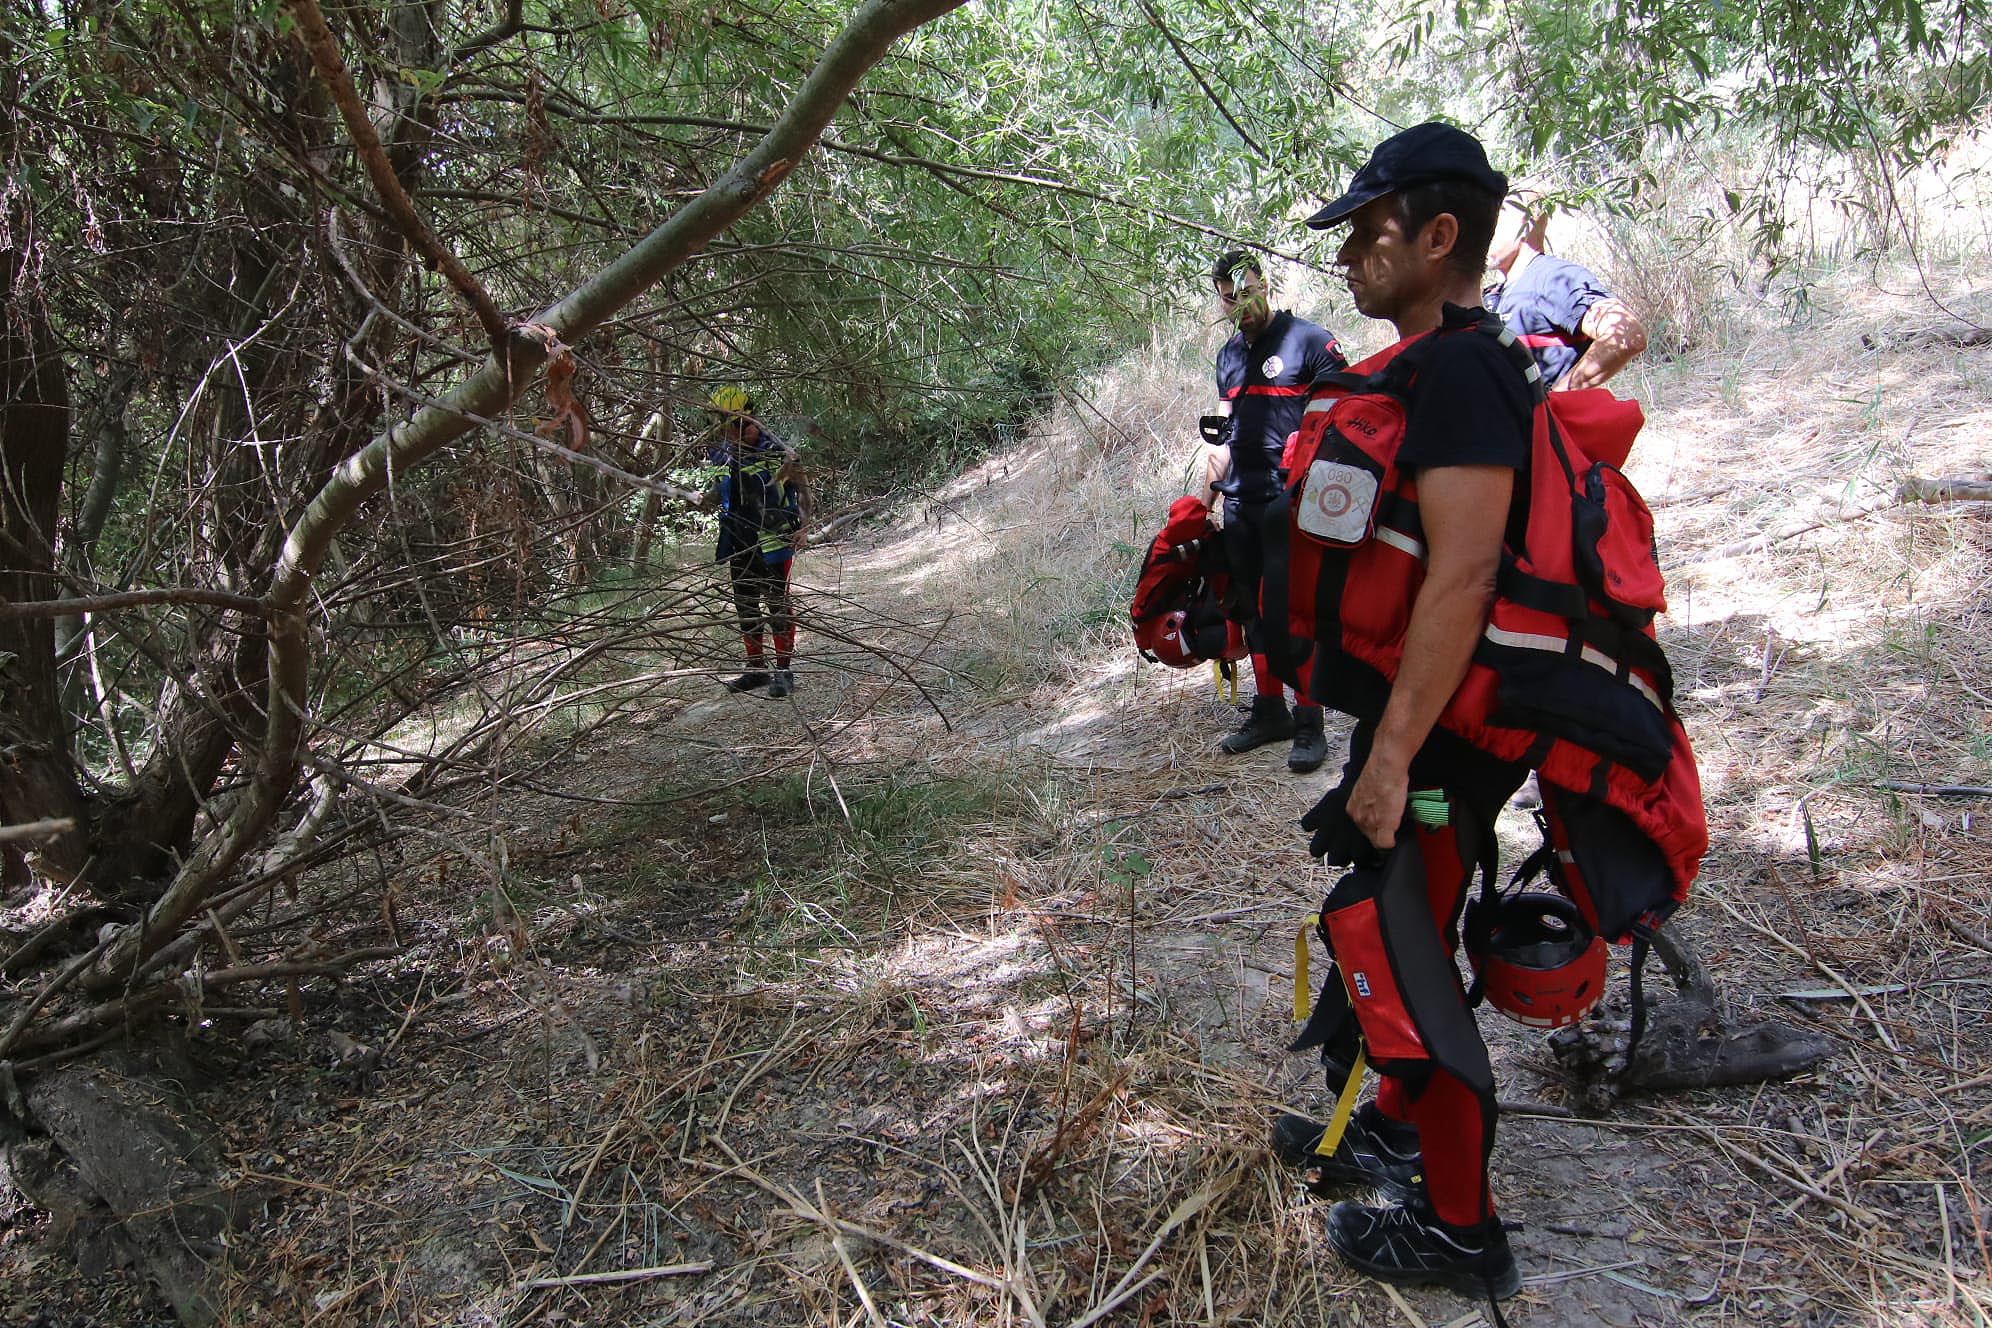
(1263, 373)
(1420, 215)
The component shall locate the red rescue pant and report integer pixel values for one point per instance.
(1454, 1129)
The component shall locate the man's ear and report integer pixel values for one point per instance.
(1441, 233)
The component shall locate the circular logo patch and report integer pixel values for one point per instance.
(1332, 500)
(1273, 367)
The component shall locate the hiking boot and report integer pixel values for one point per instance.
(1310, 743)
(751, 680)
(1268, 722)
(1408, 1244)
(782, 685)
(1375, 1150)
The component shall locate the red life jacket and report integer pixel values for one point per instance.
(1178, 607)
(1567, 676)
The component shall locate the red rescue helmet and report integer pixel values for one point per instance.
(1539, 963)
(1167, 638)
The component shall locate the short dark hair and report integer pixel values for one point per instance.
(1478, 211)
(1232, 262)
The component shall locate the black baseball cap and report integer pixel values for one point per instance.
(1421, 154)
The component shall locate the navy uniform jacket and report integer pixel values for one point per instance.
(758, 513)
(1545, 307)
(1266, 384)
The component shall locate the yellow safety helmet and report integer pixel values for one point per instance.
(730, 400)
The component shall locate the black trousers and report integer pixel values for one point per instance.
(1243, 560)
(761, 600)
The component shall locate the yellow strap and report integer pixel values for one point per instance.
(1302, 993)
(1233, 698)
(1331, 1137)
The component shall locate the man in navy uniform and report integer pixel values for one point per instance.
(1579, 333)
(1263, 372)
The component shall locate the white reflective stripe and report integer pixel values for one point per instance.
(1320, 403)
(1500, 636)
(1644, 690)
(1556, 645)
(1506, 336)
(1397, 539)
(1565, 855)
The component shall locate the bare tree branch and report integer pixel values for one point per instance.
(332, 72)
(504, 29)
(28, 610)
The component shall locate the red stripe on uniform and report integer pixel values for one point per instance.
(1546, 339)
(1274, 390)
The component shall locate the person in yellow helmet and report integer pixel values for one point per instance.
(764, 505)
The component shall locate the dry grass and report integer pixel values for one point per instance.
(967, 1007)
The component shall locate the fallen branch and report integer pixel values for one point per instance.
(184, 993)
(1915, 489)
(621, 1275)
(1936, 790)
(1959, 337)
(822, 534)
(46, 829)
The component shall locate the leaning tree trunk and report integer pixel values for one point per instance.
(37, 777)
(513, 366)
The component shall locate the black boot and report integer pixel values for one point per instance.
(1268, 722)
(1310, 744)
(751, 680)
(1408, 1244)
(1374, 1151)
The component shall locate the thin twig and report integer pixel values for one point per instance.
(620, 1275)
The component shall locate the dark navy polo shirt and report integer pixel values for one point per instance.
(1545, 306)
(1266, 384)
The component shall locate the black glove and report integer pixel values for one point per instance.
(1335, 838)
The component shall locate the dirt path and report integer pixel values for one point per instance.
(954, 992)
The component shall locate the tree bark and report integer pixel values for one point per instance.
(37, 777)
(650, 445)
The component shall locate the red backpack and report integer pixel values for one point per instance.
(1178, 609)
(1566, 677)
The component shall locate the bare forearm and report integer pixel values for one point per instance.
(1596, 368)
(1464, 509)
(1616, 335)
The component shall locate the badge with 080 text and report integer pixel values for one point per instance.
(1336, 502)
